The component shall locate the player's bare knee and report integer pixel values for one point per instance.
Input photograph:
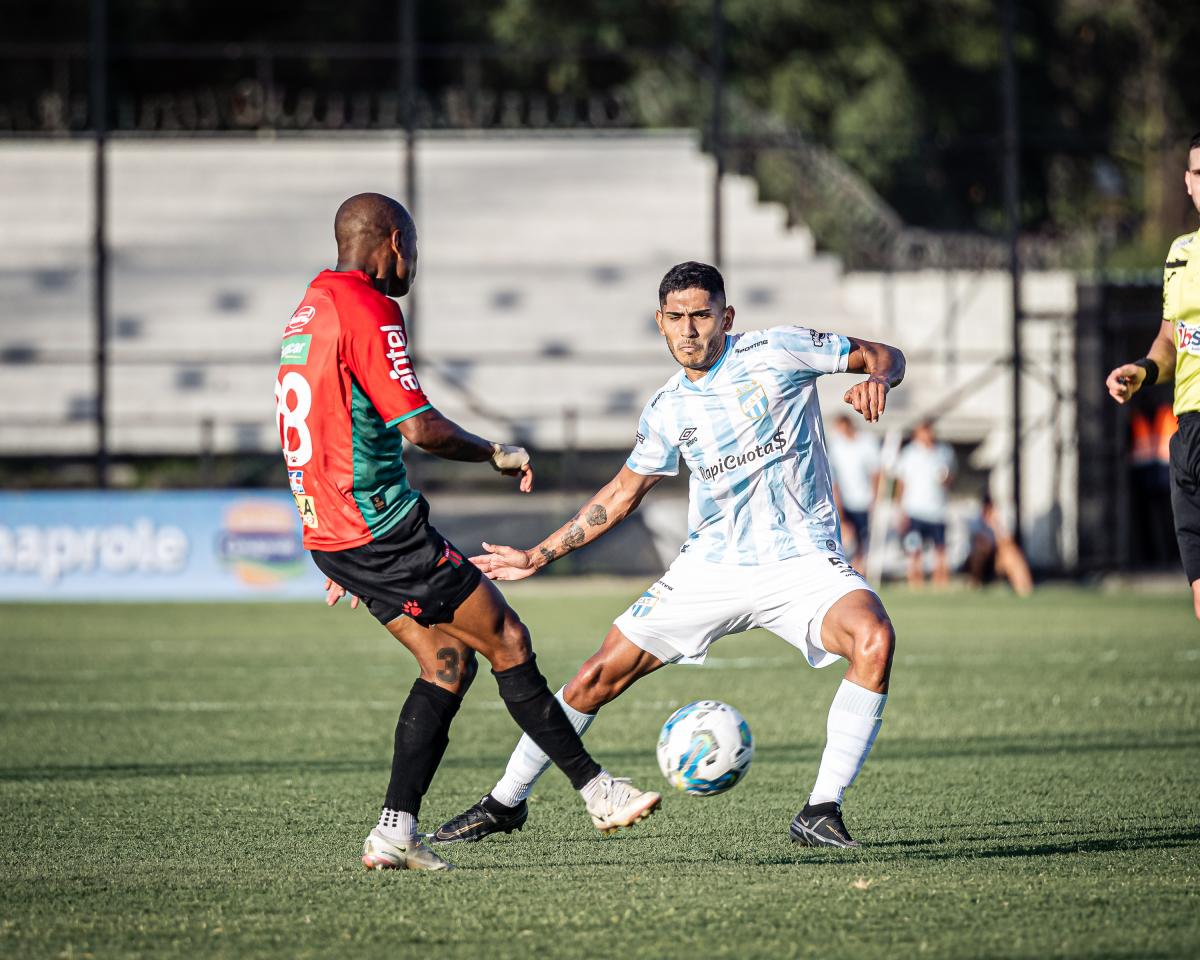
(515, 646)
(874, 646)
(588, 691)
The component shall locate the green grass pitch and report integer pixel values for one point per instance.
(190, 781)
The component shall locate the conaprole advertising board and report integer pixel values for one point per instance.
(151, 545)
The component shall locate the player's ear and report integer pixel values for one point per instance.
(728, 322)
(398, 242)
(658, 320)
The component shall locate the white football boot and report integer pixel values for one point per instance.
(380, 853)
(617, 803)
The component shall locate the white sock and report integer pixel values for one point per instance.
(854, 720)
(588, 791)
(528, 762)
(398, 826)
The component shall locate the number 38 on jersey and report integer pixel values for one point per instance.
(293, 401)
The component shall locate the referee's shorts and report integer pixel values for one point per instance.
(1185, 492)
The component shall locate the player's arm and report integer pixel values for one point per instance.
(612, 503)
(1158, 366)
(442, 437)
(884, 367)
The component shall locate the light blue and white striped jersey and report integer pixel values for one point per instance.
(750, 433)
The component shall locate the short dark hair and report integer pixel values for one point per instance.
(1195, 144)
(691, 276)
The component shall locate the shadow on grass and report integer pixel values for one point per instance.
(901, 748)
(897, 851)
(221, 768)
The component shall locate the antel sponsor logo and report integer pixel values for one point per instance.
(398, 353)
(53, 552)
(732, 461)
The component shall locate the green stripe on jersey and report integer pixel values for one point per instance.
(381, 488)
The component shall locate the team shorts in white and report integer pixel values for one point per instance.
(696, 603)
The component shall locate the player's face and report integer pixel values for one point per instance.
(1192, 177)
(694, 323)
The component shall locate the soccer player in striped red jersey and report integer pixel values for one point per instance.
(347, 397)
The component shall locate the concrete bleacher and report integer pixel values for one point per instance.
(536, 254)
(540, 257)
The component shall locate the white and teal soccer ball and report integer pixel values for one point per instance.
(705, 748)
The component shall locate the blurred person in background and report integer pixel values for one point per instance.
(1175, 355)
(1150, 432)
(924, 472)
(854, 459)
(994, 552)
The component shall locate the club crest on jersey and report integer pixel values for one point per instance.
(644, 604)
(296, 479)
(752, 398)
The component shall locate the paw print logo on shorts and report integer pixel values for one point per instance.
(412, 608)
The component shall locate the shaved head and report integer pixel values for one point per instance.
(377, 235)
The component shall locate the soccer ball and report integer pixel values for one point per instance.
(705, 748)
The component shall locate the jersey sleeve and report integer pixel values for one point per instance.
(653, 454)
(1177, 261)
(808, 351)
(374, 346)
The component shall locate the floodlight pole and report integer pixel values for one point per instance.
(718, 96)
(99, 111)
(408, 103)
(1012, 214)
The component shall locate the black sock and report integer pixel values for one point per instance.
(492, 805)
(422, 733)
(532, 705)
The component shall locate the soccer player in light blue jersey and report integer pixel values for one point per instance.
(763, 549)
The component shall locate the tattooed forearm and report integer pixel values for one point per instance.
(597, 516)
(573, 538)
(547, 553)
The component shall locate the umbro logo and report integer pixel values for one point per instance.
(687, 434)
(641, 437)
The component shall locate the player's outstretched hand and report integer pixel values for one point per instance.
(334, 592)
(869, 397)
(1125, 381)
(504, 563)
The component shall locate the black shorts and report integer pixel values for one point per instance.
(924, 532)
(1185, 492)
(860, 521)
(412, 570)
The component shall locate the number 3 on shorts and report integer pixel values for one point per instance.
(293, 431)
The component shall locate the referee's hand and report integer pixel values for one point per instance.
(1125, 381)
